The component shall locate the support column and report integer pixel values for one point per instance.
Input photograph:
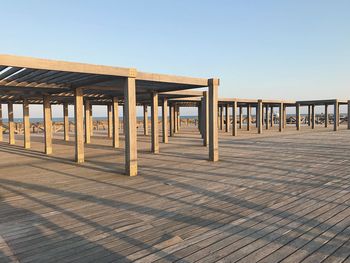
(326, 120)
(227, 111)
(1, 129)
(47, 124)
(221, 117)
(240, 117)
(130, 127)
(309, 115)
(172, 120)
(91, 122)
(154, 123)
(313, 116)
(145, 120)
(298, 116)
(272, 117)
(79, 125)
(65, 121)
(178, 119)
(110, 120)
(115, 122)
(284, 116)
(248, 117)
(11, 123)
(281, 117)
(234, 118)
(87, 122)
(176, 116)
(165, 120)
(267, 116)
(205, 119)
(348, 115)
(259, 116)
(336, 115)
(213, 115)
(26, 124)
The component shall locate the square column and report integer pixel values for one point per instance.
(205, 106)
(115, 122)
(336, 115)
(47, 124)
(313, 117)
(26, 123)
(240, 117)
(175, 119)
(259, 116)
(298, 116)
(248, 117)
(178, 119)
(172, 120)
(145, 120)
(227, 111)
(234, 118)
(221, 117)
(326, 120)
(281, 117)
(284, 116)
(66, 121)
(11, 123)
(1, 129)
(91, 122)
(130, 127)
(79, 125)
(110, 120)
(165, 120)
(348, 115)
(309, 115)
(87, 122)
(267, 117)
(213, 115)
(271, 117)
(154, 123)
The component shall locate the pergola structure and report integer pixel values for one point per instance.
(27, 81)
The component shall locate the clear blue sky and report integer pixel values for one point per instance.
(297, 49)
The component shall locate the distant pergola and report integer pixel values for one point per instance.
(27, 81)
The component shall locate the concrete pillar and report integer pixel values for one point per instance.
(336, 115)
(145, 120)
(205, 118)
(240, 117)
(313, 116)
(110, 120)
(154, 123)
(234, 118)
(87, 122)
(326, 120)
(259, 116)
(199, 114)
(267, 117)
(213, 114)
(91, 121)
(309, 115)
(284, 116)
(176, 116)
(26, 124)
(65, 121)
(298, 116)
(348, 115)
(256, 116)
(1, 129)
(165, 120)
(172, 120)
(11, 124)
(281, 117)
(79, 125)
(272, 117)
(47, 124)
(227, 111)
(221, 117)
(248, 117)
(115, 122)
(178, 124)
(130, 127)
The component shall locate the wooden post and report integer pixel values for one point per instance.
(240, 117)
(178, 125)
(256, 116)
(11, 123)
(145, 119)
(281, 117)
(309, 115)
(284, 116)
(47, 124)
(130, 127)
(234, 118)
(221, 117)
(115, 122)
(248, 117)
(91, 122)
(154, 123)
(26, 123)
(87, 122)
(172, 120)
(165, 120)
(298, 116)
(213, 115)
(1, 129)
(66, 121)
(206, 118)
(326, 120)
(110, 120)
(272, 117)
(336, 115)
(227, 111)
(79, 125)
(175, 119)
(313, 116)
(348, 115)
(259, 116)
(267, 116)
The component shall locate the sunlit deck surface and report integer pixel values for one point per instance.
(271, 197)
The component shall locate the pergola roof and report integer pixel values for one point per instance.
(31, 78)
(321, 102)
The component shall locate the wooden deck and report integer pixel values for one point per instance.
(273, 197)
